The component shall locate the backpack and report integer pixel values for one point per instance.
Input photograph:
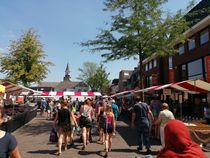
(53, 136)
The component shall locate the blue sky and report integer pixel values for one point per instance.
(61, 24)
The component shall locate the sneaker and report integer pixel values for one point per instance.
(148, 151)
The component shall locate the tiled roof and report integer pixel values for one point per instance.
(48, 84)
(69, 84)
(62, 86)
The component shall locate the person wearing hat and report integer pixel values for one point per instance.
(164, 117)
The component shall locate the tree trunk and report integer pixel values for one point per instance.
(141, 76)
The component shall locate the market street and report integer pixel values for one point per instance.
(33, 141)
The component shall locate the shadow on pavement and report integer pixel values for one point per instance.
(124, 150)
(130, 135)
(51, 152)
(37, 128)
(99, 153)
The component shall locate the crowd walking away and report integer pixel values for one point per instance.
(71, 115)
(102, 114)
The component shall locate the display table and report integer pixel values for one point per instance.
(199, 132)
(20, 120)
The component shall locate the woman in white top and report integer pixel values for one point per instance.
(164, 116)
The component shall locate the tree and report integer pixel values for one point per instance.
(26, 61)
(139, 29)
(95, 76)
(87, 71)
(100, 80)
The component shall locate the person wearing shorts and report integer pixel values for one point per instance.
(109, 129)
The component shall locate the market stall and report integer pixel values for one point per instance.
(17, 114)
(179, 92)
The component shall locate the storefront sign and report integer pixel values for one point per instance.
(207, 63)
(176, 96)
(180, 99)
(171, 76)
(166, 91)
(185, 95)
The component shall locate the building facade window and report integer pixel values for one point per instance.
(181, 49)
(150, 65)
(155, 63)
(146, 67)
(195, 69)
(191, 44)
(183, 72)
(204, 37)
(170, 63)
(148, 81)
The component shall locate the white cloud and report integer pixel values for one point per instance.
(1, 50)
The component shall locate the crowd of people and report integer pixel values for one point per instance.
(69, 115)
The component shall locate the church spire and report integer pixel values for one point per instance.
(67, 73)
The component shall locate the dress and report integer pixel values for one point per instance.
(64, 121)
(7, 144)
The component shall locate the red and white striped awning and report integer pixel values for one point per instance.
(68, 93)
(189, 86)
(122, 93)
(11, 87)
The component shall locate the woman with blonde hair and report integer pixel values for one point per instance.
(101, 121)
(63, 121)
(163, 118)
(109, 129)
(8, 143)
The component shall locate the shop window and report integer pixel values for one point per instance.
(191, 44)
(155, 63)
(204, 37)
(195, 69)
(170, 63)
(181, 49)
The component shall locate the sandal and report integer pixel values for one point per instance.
(83, 148)
(106, 155)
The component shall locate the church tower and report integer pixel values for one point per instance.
(67, 74)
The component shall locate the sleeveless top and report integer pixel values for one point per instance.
(109, 119)
(87, 110)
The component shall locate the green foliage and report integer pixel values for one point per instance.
(139, 29)
(87, 71)
(95, 76)
(25, 63)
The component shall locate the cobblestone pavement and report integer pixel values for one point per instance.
(33, 141)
